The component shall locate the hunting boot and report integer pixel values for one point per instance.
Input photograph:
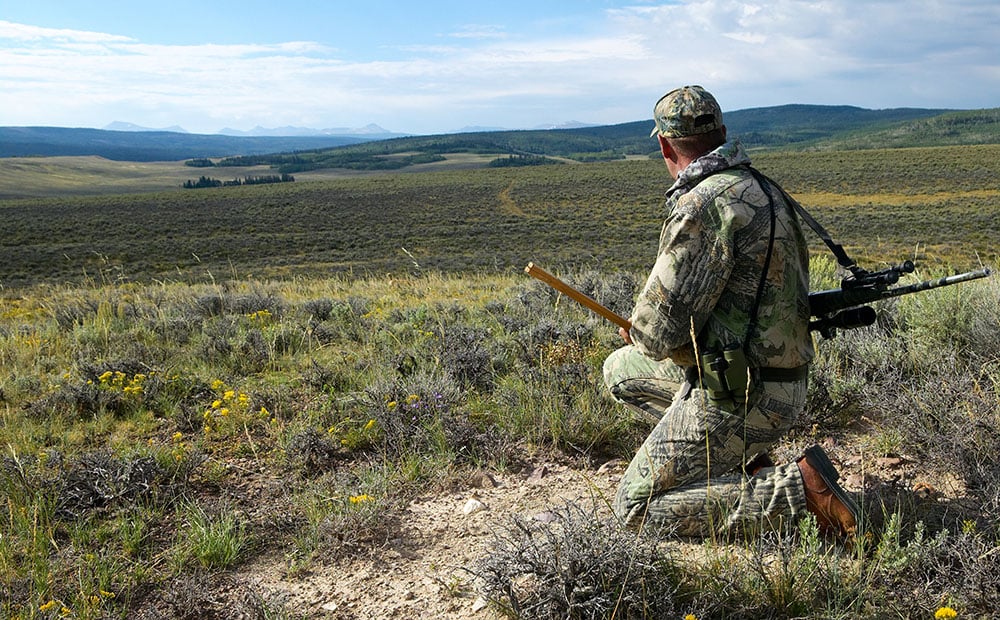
(834, 509)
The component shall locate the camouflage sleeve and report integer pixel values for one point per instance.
(690, 273)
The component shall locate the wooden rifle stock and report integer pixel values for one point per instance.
(535, 271)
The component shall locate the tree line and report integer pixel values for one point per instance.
(204, 181)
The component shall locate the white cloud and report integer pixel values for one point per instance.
(24, 32)
(874, 54)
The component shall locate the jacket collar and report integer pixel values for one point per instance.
(729, 155)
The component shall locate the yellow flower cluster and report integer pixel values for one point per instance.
(95, 599)
(261, 316)
(230, 403)
(945, 613)
(361, 499)
(120, 382)
(351, 436)
(49, 606)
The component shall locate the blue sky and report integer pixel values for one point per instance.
(439, 66)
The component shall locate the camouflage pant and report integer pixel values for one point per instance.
(688, 475)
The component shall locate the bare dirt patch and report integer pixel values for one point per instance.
(425, 571)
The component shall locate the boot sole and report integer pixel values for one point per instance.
(821, 463)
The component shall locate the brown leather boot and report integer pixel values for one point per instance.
(834, 509)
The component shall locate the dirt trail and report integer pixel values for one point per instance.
(507, 204)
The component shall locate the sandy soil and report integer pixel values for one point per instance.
(423, 572)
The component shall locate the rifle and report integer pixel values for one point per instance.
(537, 272)
(845, 308)
(842, 308)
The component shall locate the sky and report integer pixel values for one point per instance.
(438, 66)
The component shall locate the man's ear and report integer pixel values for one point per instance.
(666, 149)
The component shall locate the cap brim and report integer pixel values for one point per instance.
(655, 131)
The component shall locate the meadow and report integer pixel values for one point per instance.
(935, 205)
(193, 380)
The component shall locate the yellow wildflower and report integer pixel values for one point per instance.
(690, 617)
(412, 398)
(945, 613)
(178, 436)
(216, 404)
(229, 395)
(218, 384)
(107, 594)
(391, 405)
(370, 425)
(105, 376)
(48, 606)
(224, 411)
(360, 499)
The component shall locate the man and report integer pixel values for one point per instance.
(729, 287)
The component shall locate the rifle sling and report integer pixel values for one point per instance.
(843, 259)
(765, 186)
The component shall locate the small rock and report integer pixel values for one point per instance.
(482, 480)
(854, 481)
(472, 506)
(546, 517)
(539, 472)
(610, 467)
(924, 490)
(479, 605)
(890, 462)
(331, 606)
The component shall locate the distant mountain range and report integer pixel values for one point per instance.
(139, 145)
(369, 132)
(787, 126)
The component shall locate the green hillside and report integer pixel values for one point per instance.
(781, 127)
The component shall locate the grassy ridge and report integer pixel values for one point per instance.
(938, 205)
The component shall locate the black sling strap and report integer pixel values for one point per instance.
(843, 259)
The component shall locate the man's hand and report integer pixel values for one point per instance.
(625, 335)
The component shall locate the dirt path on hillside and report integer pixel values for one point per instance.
(508, 204)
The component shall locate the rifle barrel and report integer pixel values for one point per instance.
(535, 271)
(929, 284)
(823, 303)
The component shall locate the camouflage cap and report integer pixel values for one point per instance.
(686, 111)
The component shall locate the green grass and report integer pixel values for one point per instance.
(129, 409)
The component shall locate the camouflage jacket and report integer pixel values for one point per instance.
(708, 269)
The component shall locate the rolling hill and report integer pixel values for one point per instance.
(147, 146)
(793, 126)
